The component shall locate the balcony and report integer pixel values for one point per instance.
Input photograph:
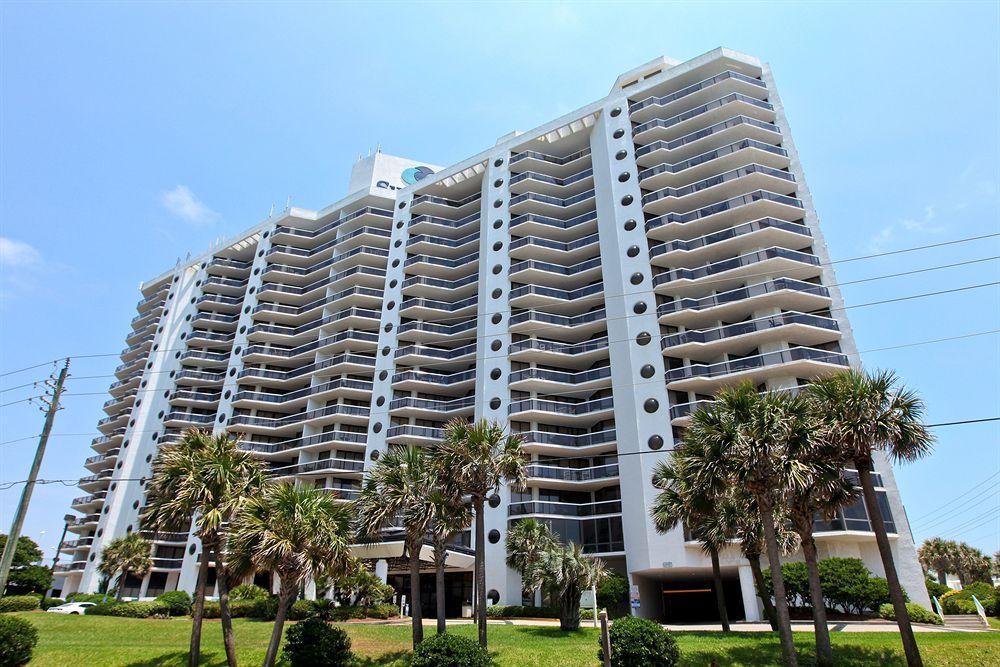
(105, 442)
(721, 186)
(194, 398)
(210, 319)
(340, 342)
(558, 477)
(225, 286)
(319, 466)
(695, 93)
(718, 110)
(229, 267)
(429, 309)
(443, 267)
(560, 382)
(557, 444)
(91, 501)
(331, 413)
(533, 202)
(783, 293)
(556, 275)
(558, 301)
(307, 443)
(211, 339)
(205, 358)
(199, 378)
(557, 509)
(568, 355)
(359, 218)
(441, 246)
(188, 419)
(418, 331)
(423, 408)
(437, 288)
(409, 434)
(707, 139)
(557, 165)
(738, 239)
(805, 362)
(434, 382)
(561, 412)
(741, 338)
(533, 224)
(433, 204)
(722, 215)
(729, 274)
(139, 347)
(218, 302)
(341, 387)
(444, 227)
(533, 181)
(542, 249)
(101, 461)
(341, 363)
(574, 328)
(442, 359)
(155, 299)
(710, 163)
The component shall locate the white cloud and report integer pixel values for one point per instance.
(181, 202)
(884, 237)
(17, 253)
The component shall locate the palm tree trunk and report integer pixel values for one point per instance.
(758, 579)
(198, 610)
(481, 569)
(121, 585)
(824, 653)
(569, 613)
(439, 557)
(780, 601)
(285, 598)
(416, 613)
(228, 639)
(864, 468)
(942, 577)
(720, 595)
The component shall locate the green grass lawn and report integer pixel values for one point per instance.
(99, 641)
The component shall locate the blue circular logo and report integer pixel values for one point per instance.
(414, 174)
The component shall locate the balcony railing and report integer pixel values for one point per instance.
(565, 509)
(755, 362)
(721, 207)
(735, 121)
(667, 193)
(735, 263)
(753, 326)
(541, 471)
(684, 92)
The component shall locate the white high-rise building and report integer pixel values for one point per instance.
(590, 282)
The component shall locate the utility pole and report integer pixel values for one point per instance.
(52, 406)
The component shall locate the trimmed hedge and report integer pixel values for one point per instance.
(450, 651)
(51, 602)
(314, 643)
(19, 603)
(88, 597)
(18, 639)
(266, 610)
(917, 614)
(640, 641)
(131, 609)
(516, 611)
(179, 602)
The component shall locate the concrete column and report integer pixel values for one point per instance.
(382, 569)
(751, 603)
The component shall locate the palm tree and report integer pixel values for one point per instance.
(295, 532)
(865, 413)
(938, 555)
(973, 564)
(824, 491)
(680, 501)
(526, 541)
(125, 555)
(204, 478)
(567, 571)
(745, 439)
(451, 516)
(479, 457)
(395, 493)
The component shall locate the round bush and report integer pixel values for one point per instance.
(248, 592)
(917, 614)
(19, 603)
(450, 651)
(315, 643)
(18, 638)
(179, 602)
(51, 602)
(302, 609)
(640, 641)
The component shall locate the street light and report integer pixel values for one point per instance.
(67, 519)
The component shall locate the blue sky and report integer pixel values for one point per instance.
(131, 134)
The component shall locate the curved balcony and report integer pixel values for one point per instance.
(707, 139)
(535, 272)
(782, 293)
(114, 422)
(409, 434)
(544, 381)
(533, 224)
(116, 403)
(332, 413)
(727, 106)
(433, 204)
(348, 318)
(443, 267)
(218, 302)
(726, 158)
(337, 343)
(103, 443)
(804, 362)
(557, 444)
(725, 214)
(574, 328)
(309, 260)
(423, 408)
(557, 301)
(557, 165)
(101, 461)
(441, 246)
(567, 355)
(224, 286)
(339, 388)
(419, 331)
(541, 249)
(438, 358)
(139, 347)
(125, 385)
(181, 419)
(157, 298)
(430, 309)
(359, 218)
(96, 482)
(561, 412)
(540, 508)
(742, 338)
(695, 93)
(730, 273)
(541, 183)
(89, 502)
(211, 339)
(558, 477)
(199, 378)
(533, 202)
(205, 358)
(195, 399)
(232, 268)
(316, 442)
(741, 238)
(722, 186)
(319, 467)
(437, 288)
(437, 383)
(341, 363)
(216, 320)
(444, 227)
(355, 277)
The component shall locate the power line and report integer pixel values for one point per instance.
(957, 498)
(964, 506)
(820, 264)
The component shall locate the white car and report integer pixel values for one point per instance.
(71, 608)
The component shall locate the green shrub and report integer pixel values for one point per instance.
(179, 602)
(211, 610)
(612, 594)
(130, 609)
(954, 605)
(51, 602)
(263, 609)
(515, 611)
(325, 610)
(248, 592)
(640, 641)
(87, 597)
(19, 603)
(450, 651)
(383, 611)
(917, 614)
(314, 643)
(936, 589)
(18, 638)
(302, 609)
(960, 601)
(25, 579)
